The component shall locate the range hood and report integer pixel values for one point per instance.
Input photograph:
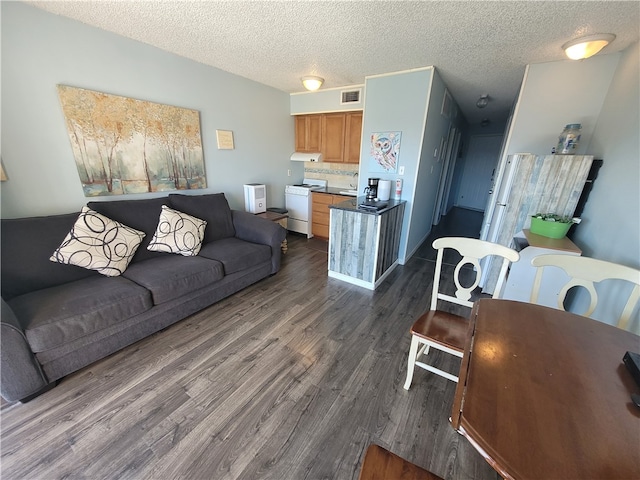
(306, 157)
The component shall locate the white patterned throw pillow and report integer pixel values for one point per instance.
(98, 243)
(178, 232)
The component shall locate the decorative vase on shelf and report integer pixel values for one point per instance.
(569, 139)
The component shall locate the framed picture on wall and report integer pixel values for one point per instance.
(385, 152)
(122, 145)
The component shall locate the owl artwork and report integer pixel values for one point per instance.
(384, 150)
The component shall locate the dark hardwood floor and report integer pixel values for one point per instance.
(292, 378)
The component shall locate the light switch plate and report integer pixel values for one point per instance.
(401, 170)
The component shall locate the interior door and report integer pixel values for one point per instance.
(496, 178)
(444, 174)
(447, 202)
(482, 157)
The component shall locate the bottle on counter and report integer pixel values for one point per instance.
(569, 139)
(398, 189)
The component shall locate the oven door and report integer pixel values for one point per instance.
(299, 212)
(297, 206)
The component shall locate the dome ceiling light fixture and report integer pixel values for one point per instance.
(588, 46)
(483, 101)
(312, 83)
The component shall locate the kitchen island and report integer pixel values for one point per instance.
(364, 244)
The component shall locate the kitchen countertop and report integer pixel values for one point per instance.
(334, 191)
(352, 205)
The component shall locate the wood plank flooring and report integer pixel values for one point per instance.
(292, 378)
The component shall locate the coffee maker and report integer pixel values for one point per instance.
(372, 188)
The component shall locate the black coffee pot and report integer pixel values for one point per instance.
(372, 189)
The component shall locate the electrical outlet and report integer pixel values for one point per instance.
(401, 170)
(289, 173)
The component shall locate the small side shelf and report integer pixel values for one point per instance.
(562, 244)
(520, 280)
(280, 218)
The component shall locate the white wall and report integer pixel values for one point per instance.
(610, 229)
(555, 94)
(41, 50)
(397, 102)
(410, 102)
(325, 100)
(430, 167)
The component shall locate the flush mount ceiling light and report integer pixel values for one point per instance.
(483, 101)
(586, 47)
(312, 83)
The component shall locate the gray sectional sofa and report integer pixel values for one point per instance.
(57, 318)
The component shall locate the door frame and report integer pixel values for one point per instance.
(444, 174)
(452, 168)
(465, 174)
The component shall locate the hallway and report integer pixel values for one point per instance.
(459, 222)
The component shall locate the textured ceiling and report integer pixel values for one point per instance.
(478, 47)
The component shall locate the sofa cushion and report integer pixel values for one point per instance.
(26, 245)
(213, 208)
(57, 315)
(172, 276)
(140, 214)
(178, 232)
(236, 254)
(98, 243)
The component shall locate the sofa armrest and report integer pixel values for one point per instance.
(20, 371)
(260, 230)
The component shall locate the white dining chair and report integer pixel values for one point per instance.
(585, 272)
(443, 330)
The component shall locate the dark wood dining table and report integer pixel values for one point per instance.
(544, 394)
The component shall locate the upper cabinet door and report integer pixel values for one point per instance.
(301, 133)
(333, 135)
(353, 137)
(308, 133)
(314, 130)
(336, 135)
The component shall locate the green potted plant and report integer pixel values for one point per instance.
(551, 225)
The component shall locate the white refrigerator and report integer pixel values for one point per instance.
(529, 184)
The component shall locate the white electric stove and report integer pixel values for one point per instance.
(298, 204)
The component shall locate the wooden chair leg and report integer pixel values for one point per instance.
(411, 362)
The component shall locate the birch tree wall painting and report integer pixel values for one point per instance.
(122, 145)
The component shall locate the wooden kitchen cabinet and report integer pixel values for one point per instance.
(336, 135)
(320, 212)
(308, 133)
(333, 131)
(341, 137)
(353, 137)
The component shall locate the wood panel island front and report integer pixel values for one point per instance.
(364, 244)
